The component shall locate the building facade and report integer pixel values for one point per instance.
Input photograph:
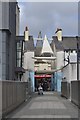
(8, 41)
(44, 64)
(9, 28)
(65, 48)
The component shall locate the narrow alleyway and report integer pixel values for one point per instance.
(50, 105)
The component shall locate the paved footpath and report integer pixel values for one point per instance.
(50, 105)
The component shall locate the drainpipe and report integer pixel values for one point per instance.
(77, 58)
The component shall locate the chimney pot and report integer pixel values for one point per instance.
(26, 29)
(59, 34)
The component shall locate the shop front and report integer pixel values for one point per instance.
(45, 80)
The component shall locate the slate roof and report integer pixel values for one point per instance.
(20, 38)
(39, 43)
(38, 51)
(29, 45)
(69, 42)
(38, 48)
(66, 43)
(58, 44)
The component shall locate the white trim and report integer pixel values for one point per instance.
(44, 58)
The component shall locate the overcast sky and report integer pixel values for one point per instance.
(48, 16)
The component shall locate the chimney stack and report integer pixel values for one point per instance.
(59, 34)
(26, 34)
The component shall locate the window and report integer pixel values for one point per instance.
(18, 63)
(19, 53)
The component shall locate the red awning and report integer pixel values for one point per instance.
(42, 76)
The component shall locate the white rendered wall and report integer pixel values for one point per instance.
(28, 65)
(70, 72)
(73, 57)
(74, 71)
(60, 59)
(28, 61)
(67, 73)
(25, 76)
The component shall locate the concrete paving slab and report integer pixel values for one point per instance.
(46, 116)
(50, 105)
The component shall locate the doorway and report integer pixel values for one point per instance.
(45, 82)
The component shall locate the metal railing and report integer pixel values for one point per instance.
(75, 92)
(12, 94)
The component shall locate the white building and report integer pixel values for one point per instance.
(44, 59)
(65, 49)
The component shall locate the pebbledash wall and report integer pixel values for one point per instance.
(8, 40)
